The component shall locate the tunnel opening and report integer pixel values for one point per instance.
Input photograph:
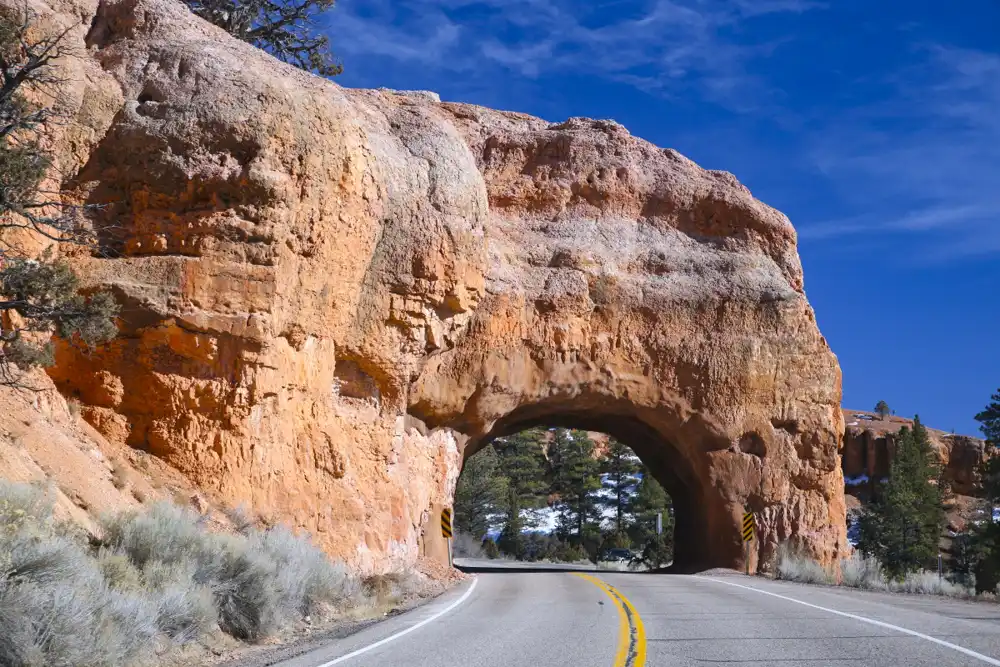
(686, 529)
(563, 495)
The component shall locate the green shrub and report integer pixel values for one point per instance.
(244, 584)
(186, 609)
(57, 609)
(165, 533)
(656, 552)
(260, 580)
(570, 553)
(246, 592)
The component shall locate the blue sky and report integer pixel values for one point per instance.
(874, 126)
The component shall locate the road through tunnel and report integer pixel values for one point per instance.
(691, 544)
(705, 535)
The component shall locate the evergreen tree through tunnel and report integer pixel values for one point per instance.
(575, 491)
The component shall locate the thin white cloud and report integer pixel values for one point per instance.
(923, 160)
(920, 161)
(663, 46)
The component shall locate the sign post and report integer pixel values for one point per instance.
(748, 530)
(446, 531)
(659, 523)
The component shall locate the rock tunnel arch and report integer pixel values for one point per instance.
(696, 539)
(711, 478)
(734, 406)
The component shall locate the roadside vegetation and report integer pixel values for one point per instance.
(599, 502)
(157, 580)
(865, 572)
(900, 529)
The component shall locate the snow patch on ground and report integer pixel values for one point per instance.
(546, 519)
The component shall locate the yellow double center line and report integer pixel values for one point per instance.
(631, 634)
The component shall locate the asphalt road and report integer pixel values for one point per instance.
(544, 617)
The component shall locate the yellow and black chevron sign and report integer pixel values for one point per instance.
(446, 522)
(748, 525)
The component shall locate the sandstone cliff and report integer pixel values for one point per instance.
(329, 295)
(870, 443)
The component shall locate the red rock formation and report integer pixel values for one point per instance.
(869, 445)
(330, 294)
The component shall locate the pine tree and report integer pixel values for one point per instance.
(576, 478)
(619, 466)
(903, 525)
(521, 460)
(985, 547)
(512, 540)
(287, 29)
(965, 556)
(480, 494)
(989, 420)
(985, 537)
(882, 409)
(650, 500)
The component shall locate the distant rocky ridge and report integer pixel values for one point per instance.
(870, 442)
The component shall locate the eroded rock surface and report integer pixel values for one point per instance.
(330, 294)
(870, 445)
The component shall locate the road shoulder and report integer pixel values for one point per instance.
(345, 635)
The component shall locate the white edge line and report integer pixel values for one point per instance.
(415, 626)
(955, 647)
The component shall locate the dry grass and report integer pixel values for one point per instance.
(120, 476)
(160, 578)
(388, 590)
(860, 571)
(793, 566)
(241, 518)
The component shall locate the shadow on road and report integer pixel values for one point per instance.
(475, 566)
(529, 568)
(512, 567)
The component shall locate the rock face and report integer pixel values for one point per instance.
(870, 444)
(330, 295)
